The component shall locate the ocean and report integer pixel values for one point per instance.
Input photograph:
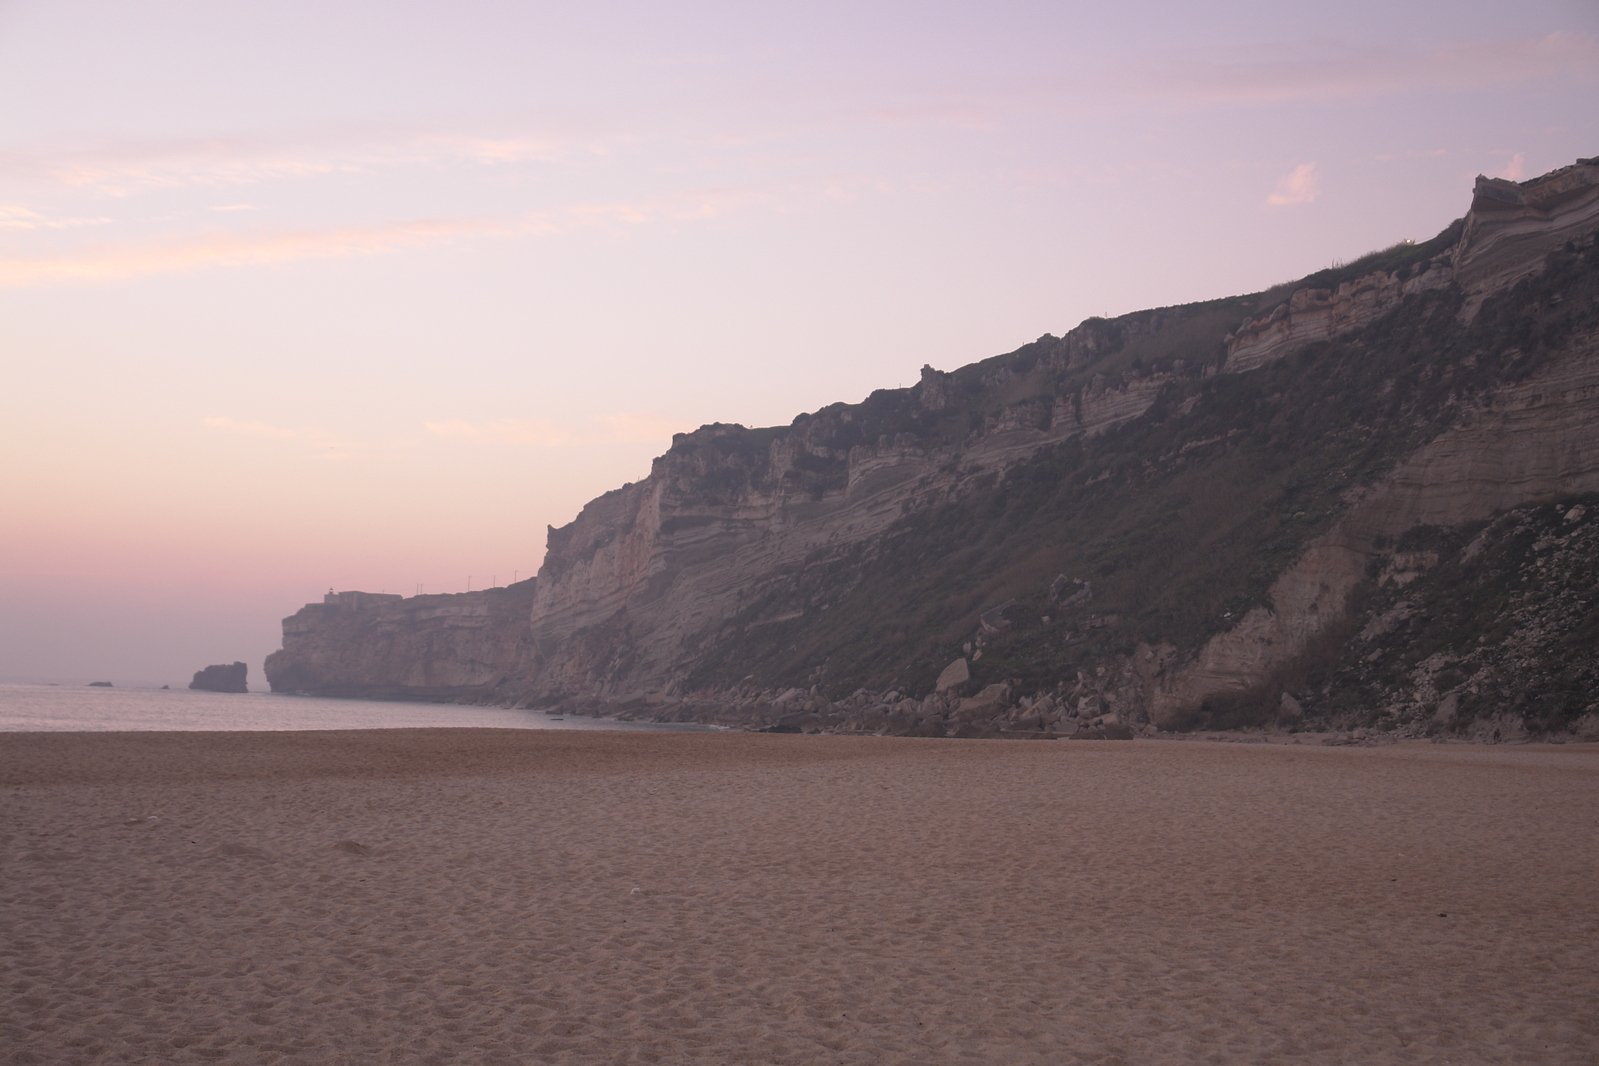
(77, 707)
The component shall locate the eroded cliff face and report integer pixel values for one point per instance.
(636, 587)
(1321, 314)
(1506, 236)
(729, 515)
(465, 646)
(1514, 226)
(1531, 442)
(1225, 477)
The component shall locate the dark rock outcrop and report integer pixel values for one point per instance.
(221, 678)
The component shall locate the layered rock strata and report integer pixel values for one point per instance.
(706, 586)
(463, 646)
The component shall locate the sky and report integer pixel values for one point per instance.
(366, 295)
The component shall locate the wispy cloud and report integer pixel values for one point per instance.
(629, 427)
(121, 169)
(1300, 73)
(530, 432)
(1515, 167)
(17, 217)
(120, 172)
(511, 148)
(640, 428)
(311, 440)
(136, 259)
(258, 429)
(1412, 153)
(120, 262)
(1299, 186)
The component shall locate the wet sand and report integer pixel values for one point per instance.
(487, 896)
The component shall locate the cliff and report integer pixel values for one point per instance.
(1159, 517)
(222, 678)
(464, 646)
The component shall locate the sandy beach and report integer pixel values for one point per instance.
(488, 896)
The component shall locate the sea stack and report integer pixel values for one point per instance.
(221, 678)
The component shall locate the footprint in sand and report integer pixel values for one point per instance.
(243, 851)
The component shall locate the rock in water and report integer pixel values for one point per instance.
(221, 678)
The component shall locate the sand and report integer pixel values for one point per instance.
(487, 896)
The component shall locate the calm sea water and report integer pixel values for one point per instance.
(79, 708)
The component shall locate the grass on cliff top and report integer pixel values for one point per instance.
(1400, 258)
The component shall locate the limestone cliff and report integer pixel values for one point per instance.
(1513, 227)
(645, 577)
(1536, 440)
(465, 646)
(1224, 477)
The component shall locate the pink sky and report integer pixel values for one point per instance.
(366, 295)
